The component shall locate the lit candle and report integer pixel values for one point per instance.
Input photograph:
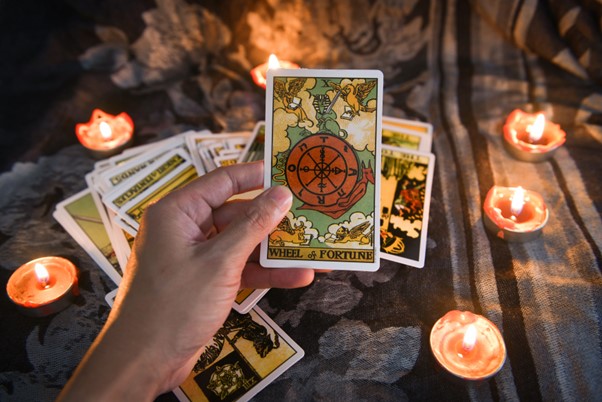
(259, 73)
(514, 214)
(43, 286)
(468, 345)
(530, 137)
(105, 135)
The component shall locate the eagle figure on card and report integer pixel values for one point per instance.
(355, 234)
(287, 94)
(354, 95)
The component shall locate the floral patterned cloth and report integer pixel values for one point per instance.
(461, 65)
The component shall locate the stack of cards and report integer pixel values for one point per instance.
(105, 218)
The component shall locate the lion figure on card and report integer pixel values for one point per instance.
(285, 233)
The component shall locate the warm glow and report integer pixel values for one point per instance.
(105, 130)
(42, 274)
(535, 130)
(273, 62)
(518, 201)
(470, 338)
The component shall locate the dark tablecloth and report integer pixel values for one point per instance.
(461, 65)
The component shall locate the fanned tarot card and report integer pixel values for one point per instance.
(406, 181)
(246, 354)
(322, 140)
(79, 216)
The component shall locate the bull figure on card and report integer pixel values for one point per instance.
(285, 233)
(244, 327)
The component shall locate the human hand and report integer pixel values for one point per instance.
(193, 252)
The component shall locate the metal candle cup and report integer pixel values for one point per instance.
(43, 286)
(512, 219)
(105, 135)
(259, 73)
(468, 345)
(530, 140)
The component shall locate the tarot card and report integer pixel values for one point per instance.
(112, 177)
(80, 218)
(226, 160)
(407, 134)
(254, 149)
(198, 144)
(130, 198)
(110, 297)
(407, 139)
(247, 353)
(406, 181)
(115, 234)
(122, 225)
(322, 140)
(246, 299)
(412, 125)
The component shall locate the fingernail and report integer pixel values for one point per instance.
(282, 196)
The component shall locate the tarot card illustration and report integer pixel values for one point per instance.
(406, 180)
(322, 140)
(245, 355)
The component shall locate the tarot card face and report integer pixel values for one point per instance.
(131, 197)
(254, 149)
(322, 140)
(112, 177)
(79, 216)
(246, 354)
(406, 181)
(407, 134)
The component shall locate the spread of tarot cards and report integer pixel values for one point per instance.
(104, 218)
(325, 139)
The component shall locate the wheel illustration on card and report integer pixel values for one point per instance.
(321, 169)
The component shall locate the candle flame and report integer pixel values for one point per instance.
(470, 338)
(105, 130)
(535, 130)
(273, 62)
(42, 274)
(518, 201)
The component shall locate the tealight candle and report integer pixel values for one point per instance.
(530, 137)
(259, 73)
(514, 214)
(468, 345)
(105, 135)
(43, 286)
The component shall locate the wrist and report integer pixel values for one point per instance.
(115, 368)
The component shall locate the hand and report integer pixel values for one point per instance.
(193, 252)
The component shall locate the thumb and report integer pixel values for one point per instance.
(259, 219)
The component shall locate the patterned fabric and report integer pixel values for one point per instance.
(461, 65)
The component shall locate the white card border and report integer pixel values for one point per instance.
(334, 265)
